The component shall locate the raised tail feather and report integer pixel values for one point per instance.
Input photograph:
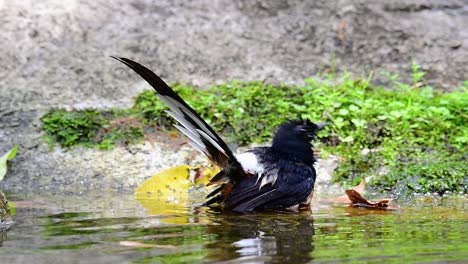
(203, 137)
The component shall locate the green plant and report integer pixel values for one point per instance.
(91, 128)
(69, 128)
(417, 74)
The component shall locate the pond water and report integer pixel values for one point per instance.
(116, 228)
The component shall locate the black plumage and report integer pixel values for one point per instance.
(280, 176)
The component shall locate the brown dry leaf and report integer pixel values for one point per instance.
(127, 243)
(355, 199)
(358, 201)
(358, 188)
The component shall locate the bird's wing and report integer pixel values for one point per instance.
(247, 196)
(203, 137)
(292, 186)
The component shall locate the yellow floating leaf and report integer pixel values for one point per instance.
(168, 192)
(203, 174)
(169, 185)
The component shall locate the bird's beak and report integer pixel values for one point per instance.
(321, 125)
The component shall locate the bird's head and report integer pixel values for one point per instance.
(295, 136)
(299, 130)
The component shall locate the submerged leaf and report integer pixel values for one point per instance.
(3, 161)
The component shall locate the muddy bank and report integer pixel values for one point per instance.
(56, 54)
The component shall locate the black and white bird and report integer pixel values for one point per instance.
(277, 177)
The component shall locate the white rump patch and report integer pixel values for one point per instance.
(249, 163)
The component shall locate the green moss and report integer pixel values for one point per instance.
(412, 134)
(72, 128)
(91, 128)
(4, 208)
(434, 172)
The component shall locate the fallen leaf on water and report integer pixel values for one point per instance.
(166, 191)
(358, 201)
(355, 199)
(127, 243)
(171, 184)
(358, 188)
(204, 174)
(3, 161)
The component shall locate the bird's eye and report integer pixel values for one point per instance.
(303, 128)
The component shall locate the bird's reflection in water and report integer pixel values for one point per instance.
(262, 237)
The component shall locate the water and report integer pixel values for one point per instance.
(115, 228)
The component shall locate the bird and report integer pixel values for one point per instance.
(276, 177)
